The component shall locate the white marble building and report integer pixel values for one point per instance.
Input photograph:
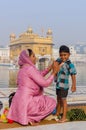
(4, 54)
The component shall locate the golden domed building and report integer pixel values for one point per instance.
(42, 46)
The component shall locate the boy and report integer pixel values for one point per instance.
(62, 83)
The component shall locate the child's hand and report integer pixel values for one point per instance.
(73, 88)
(61, 64)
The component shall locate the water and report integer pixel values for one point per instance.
(8, 76)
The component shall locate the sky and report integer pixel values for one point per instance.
(66, 19)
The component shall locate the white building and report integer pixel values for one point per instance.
(55, 53)
(4, 54)
(73, 54)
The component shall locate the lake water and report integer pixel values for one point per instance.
(8, 76)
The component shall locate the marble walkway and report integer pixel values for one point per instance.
(79, 125)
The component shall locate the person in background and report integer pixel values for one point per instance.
(29, 104)
(62, 81)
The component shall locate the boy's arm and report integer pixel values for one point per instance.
(73, 88)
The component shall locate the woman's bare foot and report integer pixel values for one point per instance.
(33, 123)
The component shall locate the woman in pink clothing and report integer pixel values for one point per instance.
(29, 105)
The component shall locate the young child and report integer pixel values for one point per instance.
(62, 82)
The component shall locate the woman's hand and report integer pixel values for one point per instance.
(56, 67)
(50, 67)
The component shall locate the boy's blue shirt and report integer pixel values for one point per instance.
(66, 69)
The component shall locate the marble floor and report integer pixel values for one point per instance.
(79, 125)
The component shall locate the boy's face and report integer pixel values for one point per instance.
(64, 56)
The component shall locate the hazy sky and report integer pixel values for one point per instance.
(66, 18)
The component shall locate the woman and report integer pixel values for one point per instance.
(29, 105)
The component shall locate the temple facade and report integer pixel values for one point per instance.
(42, 46)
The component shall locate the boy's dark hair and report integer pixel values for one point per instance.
(64, 48)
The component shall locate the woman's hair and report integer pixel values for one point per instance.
(30, 52)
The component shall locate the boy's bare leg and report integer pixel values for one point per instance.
(64, 101)
(58, 109)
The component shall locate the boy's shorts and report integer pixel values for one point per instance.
(61, 93)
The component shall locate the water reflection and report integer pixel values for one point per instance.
(12, 78)
(4, 76)
(8, 76)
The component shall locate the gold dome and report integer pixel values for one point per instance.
(49, 32)
(12, 35)
(29, 30)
